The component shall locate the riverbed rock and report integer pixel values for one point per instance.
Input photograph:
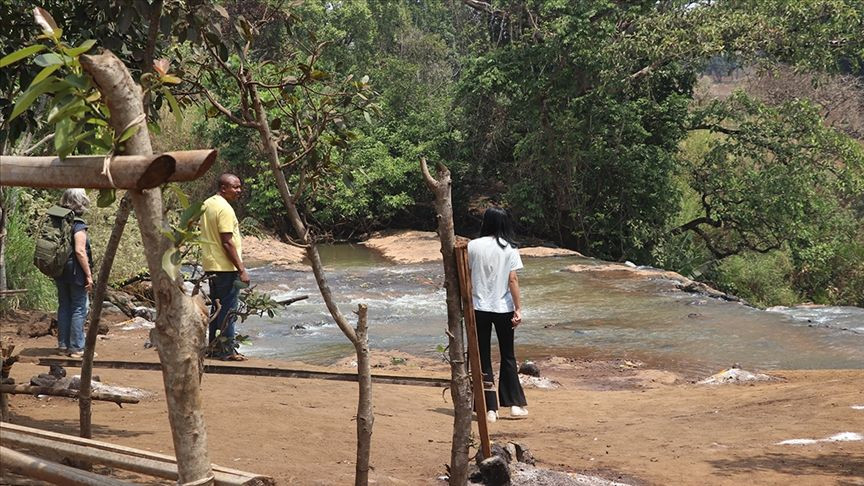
(38, 324)
(529, 368)
(734, 375)
(495, 471)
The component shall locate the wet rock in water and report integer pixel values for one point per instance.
(495, 472)
(529, 368)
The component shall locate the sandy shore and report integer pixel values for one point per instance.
(612, 418)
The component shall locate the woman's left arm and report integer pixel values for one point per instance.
(81, 256)
(513, 283)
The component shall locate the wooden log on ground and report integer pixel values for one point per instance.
(120, 457)
(258, 371)
(52, 472)
(64, 392)
(255, 371)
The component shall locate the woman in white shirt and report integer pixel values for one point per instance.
(494, 259)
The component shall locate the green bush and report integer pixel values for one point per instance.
(761, 279)
(20, 271)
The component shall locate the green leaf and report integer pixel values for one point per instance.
(168, 264)
(63, 133)
(367, 117)
(44, 73)
(81, 49)
(48, 59)
(170, 79)
(179, 194)
(27, 98)
(71, 108)
(76, 81)
(175, 107)
(21, 54)
(106, 197)
(191, 214)
(127, 134)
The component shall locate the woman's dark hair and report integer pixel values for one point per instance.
(496, 222)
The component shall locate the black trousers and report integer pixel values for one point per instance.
(509, 389)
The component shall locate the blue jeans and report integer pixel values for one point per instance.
(223, 290)
(71, 314)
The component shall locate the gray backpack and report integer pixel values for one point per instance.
(54, 243)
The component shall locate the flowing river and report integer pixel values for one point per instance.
(583, 314)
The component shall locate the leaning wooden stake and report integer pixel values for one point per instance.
(473, 347)
(85, 411)
(180, 323)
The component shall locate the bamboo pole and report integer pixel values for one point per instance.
(127, 171)
(63, 392)
(224, 475)
(52, 472)
(473, 347)
(119, 458)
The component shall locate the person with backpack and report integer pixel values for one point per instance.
(493, 260)
(75, 279)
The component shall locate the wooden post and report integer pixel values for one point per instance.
(473, 347)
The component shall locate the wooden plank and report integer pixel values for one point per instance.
(34, 467)
(127, 458)
(257, 371)
(63, 392)
(473, 347)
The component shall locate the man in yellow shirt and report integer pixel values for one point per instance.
(223, 262)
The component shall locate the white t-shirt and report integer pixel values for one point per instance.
(490, 274)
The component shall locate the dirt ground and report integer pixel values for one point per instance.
(613, 418)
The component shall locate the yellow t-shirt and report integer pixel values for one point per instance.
(218, 218)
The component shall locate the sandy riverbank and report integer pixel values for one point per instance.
(613, 418)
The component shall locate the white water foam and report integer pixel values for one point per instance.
(841, 437)
(857, 407)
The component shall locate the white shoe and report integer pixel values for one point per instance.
(491, 416)
(518, 411)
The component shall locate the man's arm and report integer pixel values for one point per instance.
(231, 253)
(513, 283)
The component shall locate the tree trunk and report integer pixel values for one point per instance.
(460, 388)
(84, 403)
(180, 323)
(359, 338)
(365, 418)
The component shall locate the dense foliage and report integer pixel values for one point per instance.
(584, 118)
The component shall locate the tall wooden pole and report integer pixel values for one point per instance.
(473, 347)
